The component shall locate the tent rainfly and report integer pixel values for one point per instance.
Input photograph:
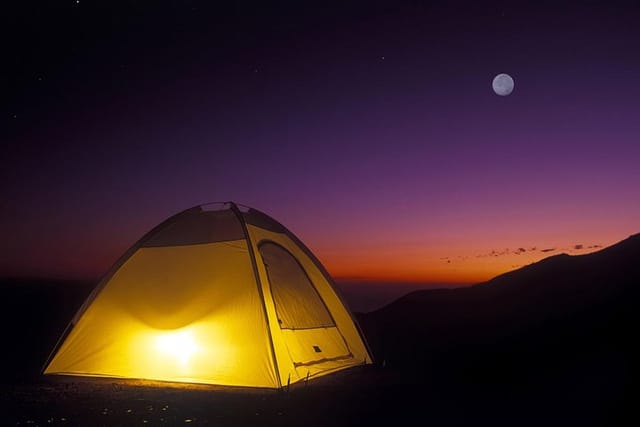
(217, 294)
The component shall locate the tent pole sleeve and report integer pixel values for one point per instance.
(254, 264)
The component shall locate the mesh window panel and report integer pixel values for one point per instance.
(297, 302)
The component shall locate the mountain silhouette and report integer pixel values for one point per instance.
(559, 333)
(554, 288)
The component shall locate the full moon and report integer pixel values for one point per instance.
(502, 84)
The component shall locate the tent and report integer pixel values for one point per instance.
(217, 294)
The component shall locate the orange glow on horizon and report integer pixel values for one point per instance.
(421, 243)
(437, 255)
(455, 266)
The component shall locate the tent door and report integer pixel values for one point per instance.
(309, 331)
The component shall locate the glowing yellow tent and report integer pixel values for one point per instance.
(217, 294)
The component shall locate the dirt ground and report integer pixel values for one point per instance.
(360, 396)
(348, 398)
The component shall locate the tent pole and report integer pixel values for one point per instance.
(254, 264)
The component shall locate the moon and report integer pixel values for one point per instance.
(502, 84)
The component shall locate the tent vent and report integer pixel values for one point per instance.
(317, 349)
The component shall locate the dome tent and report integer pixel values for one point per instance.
(217, 294)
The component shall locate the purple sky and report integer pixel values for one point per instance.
(369, 129)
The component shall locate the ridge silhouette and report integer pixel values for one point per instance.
(558, 333)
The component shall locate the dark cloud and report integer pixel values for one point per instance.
(523, 250)
(495, 253)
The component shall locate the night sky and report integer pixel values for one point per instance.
(369, 129)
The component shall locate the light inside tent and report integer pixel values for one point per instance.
(193, 353)
(179, 346)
